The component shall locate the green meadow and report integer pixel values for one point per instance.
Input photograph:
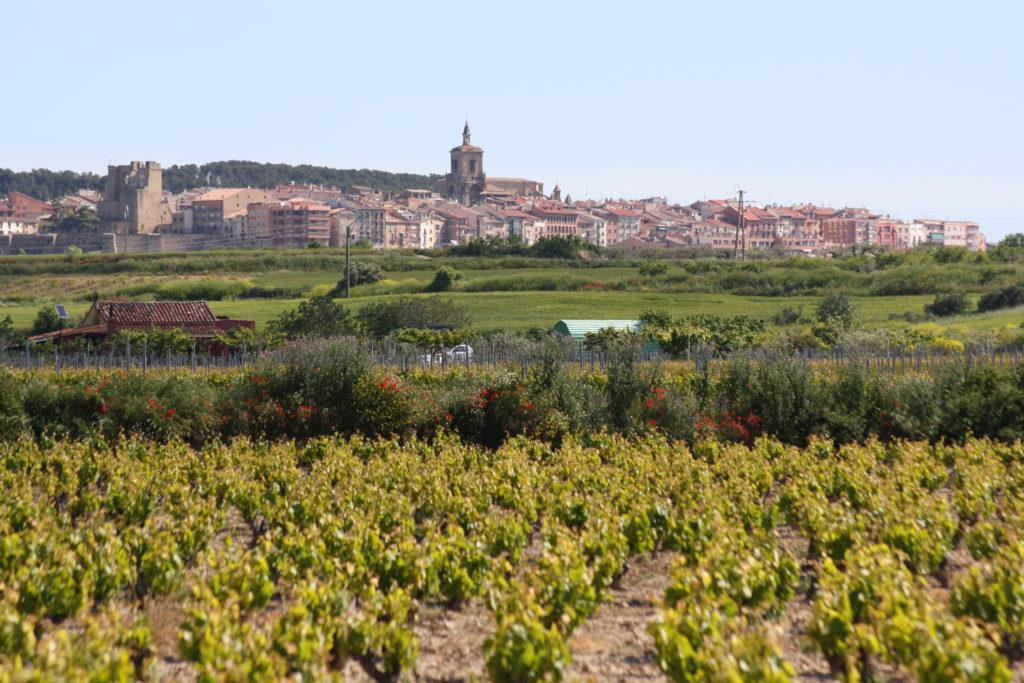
(505, 293)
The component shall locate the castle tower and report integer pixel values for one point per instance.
(466, 180)
(556, 194)
(133, 199)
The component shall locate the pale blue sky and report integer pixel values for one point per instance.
(910, 108)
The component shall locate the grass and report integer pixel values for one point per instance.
(517, 310)
(31, 283)
(514, 310)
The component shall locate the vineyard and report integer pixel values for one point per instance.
(436, 560)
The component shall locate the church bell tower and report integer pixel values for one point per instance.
(466, 180)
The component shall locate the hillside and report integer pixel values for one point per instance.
(45, 184)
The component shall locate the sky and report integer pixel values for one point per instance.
(912, 109)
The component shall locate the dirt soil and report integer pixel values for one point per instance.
(613, 645)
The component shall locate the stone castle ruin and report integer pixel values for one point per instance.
(133, 201)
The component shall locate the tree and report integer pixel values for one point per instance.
(65, 220)
(6, 331)
(653, 319)
(1015, 239)
(560, 247)
(318, 316)
(835, 315)
(382, 318)
(46, 320)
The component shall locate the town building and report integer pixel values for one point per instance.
(222, 211)
(20, 205)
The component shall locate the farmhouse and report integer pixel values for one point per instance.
(106, 318)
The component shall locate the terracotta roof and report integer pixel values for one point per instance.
(216, 195)
(193, 317)
(619, 212)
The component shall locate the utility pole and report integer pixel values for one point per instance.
(348, 270)
(741, 232)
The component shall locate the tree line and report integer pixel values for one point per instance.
(45, 184)
(254, 174)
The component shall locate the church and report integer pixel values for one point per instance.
(467, 184)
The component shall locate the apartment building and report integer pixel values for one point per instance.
(212, 210)
(290, 223)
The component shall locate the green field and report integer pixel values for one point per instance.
(503, 293)
(517, 310)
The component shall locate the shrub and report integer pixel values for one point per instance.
(309, 388)
(489, 410)
(948, 304)
(630, 384)
(444, 278)
(653, 268)
(11, 411)
(361, 273)
(981, 401)
(1008, 297)
(257, 292)
(787, 316)
(949, 254)
(836, 308)
(780, 390)
(190, 290)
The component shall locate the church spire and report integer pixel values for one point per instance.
(465, 134)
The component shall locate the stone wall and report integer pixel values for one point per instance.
(107, 243)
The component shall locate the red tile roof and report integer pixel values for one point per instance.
(193, 317)
(619, 212)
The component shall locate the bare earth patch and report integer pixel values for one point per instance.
(614, 645)
(451, 642)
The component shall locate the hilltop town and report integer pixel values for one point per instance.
(135, 214)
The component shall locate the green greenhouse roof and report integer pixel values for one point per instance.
(578, 329)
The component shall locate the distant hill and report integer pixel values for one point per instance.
(46, 184)
(254, 174)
